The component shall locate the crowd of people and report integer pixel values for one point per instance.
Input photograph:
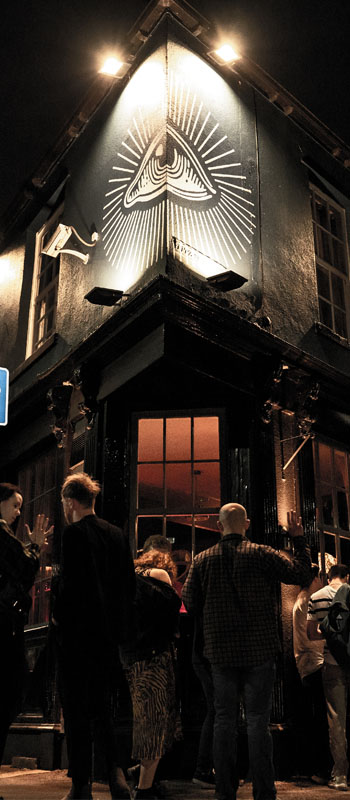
(109, 610)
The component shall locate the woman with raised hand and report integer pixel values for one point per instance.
(19, 563)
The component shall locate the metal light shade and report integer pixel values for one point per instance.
(103, 297)
(227, 280)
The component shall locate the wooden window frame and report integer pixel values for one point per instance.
(328, 266)
(39, 331)
(164, 512)
(324, 527)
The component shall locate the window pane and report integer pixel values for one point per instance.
(178, 439)
(343, 511)
(326, 314)
(340, 325)
(207, 533)
(150, 447)
(206, 437)
(145, 527)
(321, 211)
(329, 544)
(324, 246)
(339, 255)
(150, 486)
(338, 291)
(207, 485)
(335, 222)
(323, 283)
(341, 475)
(325, 461)
(179, 531)
(327, 506)
(344, 550)
(178, 486)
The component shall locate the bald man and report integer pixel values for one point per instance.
(232, 586)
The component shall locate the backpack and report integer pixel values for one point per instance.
(336, 626)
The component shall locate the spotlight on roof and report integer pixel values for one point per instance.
(111, 66)
(104, 297)
(225, 281)
(226, 54)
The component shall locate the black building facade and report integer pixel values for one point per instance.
(222, 371)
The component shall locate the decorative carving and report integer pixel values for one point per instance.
(273, 389)
(307, 395)
(293, 391)
(58, 403)
(86, 377)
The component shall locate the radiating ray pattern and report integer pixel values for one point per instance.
(184, 175)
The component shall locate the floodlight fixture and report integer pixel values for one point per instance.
(225, 281)
(100, 296)
(225, 54)
(111, 66)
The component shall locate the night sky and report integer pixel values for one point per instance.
(50, 50)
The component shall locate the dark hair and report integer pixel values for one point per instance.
(338, 571)
(156, 559)
(157, 542)
(315, 571)
(7, 490)
(82, 488)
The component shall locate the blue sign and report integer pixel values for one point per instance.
(4, 394)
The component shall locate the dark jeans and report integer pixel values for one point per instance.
(256, 685)
(205, 749)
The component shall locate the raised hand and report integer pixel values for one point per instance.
(40, 530)
(295, 525)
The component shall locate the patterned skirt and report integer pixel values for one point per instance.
(155, 715)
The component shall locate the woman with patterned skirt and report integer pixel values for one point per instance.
(149, 663)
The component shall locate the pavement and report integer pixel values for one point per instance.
(37, 784)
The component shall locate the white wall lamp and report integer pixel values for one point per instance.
(59, 238)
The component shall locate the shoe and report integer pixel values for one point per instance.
(206, 780)
(338, 782)
(134, 774)
(319, 779)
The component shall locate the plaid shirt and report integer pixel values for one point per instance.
(233, 585)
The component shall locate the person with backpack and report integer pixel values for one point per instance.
(148, 660)
(336, 678)
(234, 586)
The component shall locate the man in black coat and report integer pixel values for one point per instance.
(92, 615)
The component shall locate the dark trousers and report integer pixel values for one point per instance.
(256, 685)
(315, 727)
(12, 673)
(205, 749)
(86, 697)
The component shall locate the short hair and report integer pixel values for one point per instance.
(314, 573)
(157, 542)
(7, 490)
(82, 488)
(156, 559)
(338, 571)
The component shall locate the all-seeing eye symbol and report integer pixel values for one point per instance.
(184, 178)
